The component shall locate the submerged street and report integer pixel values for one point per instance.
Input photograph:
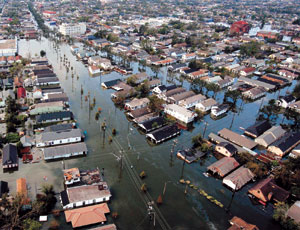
(163, 169)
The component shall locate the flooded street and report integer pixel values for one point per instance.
(191, 211)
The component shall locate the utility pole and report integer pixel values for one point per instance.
(232, 121)
(183, 166)
(205, 129)
(233, 193)
(121, 166)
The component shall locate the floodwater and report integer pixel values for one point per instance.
(190, 211)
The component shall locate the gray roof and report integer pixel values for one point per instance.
(52, 136)
(54, 152)
(239, 177)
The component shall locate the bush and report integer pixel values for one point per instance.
(12, 138)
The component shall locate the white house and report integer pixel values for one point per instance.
(72, 29)
(58, 138)
(71, 176)
(137, 103)
(94, 69)
(218, 110)
(8, 47)
(286, 101)
(85, 195)
(65, 151)
(104, 63)
(180, 113)
(206, 105)
(74, 49)
(191, 101)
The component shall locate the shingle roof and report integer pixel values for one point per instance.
(88, 215)
(223, 166)
(54, 152)
(149, 125)
(269, 187)
(51, 116)
(287, 141)
(239, 177)
(237, 139)
(258, 128)
(52, 136)
(164, 132)
(10, 155)
(59, 127)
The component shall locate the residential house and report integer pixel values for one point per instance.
(247, 71)
(81, 217)
(257, 129)
(295, 106)
(193, 74)
(285, 144)
(227, 149)
(180, 113)
(294, 212)
(163, 134)
(47, 107)
(236, 138)
(74, 49)
(154, 83)
(254, 93)
(46, 81)
(238, 223)
(137, 103)
(54, 117)
(23, 192)
(58, 138)
(94, 69)
(180, 96)
(85, 195)
(71, 176)
(223, 166)
(3, 188)
(162, 89)
(270, 136)
(267, 190)
(238, 178)
(110, 84)
(191, 101)
(286, 101)
(103, 63)
(223, 83)
(150, 125)
(254, 82)
(205, 106)
(170, 93)
(10, 158)
(65, 151)
(59, 127)
(218, 110)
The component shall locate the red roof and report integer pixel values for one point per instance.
(88, 215)
(21, 92)
(49, 12)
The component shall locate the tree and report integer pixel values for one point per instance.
(30, 224)
(42, 53)
(47, 199)
(143, 89)
(250, 49)
(296, 91)
(280, 215)
(155, 103)
(269, 111)
(232, 96)
(197, 140)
